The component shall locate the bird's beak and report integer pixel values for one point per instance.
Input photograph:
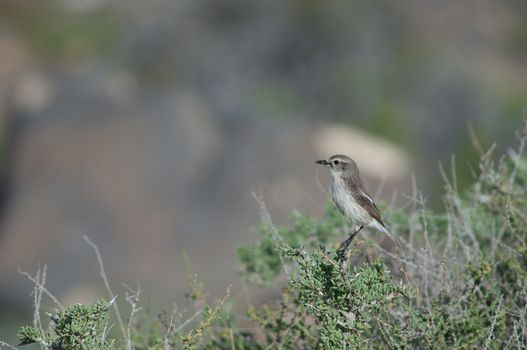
(322, 162)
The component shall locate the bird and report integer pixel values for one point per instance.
(351, 198)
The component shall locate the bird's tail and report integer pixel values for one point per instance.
(383, 229)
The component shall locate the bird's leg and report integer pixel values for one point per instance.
(345, 244)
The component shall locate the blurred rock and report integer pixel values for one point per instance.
(32, 93)
(375, 157)
(146, 180)
(81, 294)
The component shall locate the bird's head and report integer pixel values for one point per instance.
(340, 165)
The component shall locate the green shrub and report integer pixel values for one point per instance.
(459, 282)
(76, 327)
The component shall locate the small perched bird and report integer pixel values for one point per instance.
(349, 194)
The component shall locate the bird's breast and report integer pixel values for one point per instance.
(347, 205)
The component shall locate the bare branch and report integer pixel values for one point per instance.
(48, 293)
(265, 218)
(107, 284)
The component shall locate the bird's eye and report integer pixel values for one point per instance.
(336, 162)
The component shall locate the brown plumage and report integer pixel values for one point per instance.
(350, 196)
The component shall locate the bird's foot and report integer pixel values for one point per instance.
(341, 251)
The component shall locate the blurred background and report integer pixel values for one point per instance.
(146, 125)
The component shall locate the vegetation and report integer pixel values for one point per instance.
(459, 282)
(76, 327)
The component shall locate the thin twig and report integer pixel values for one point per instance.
(265, 217)
(48, 293)
(133, 300)
(107, 284)
(3, 343)
(233, 346)
(40, 276)
(330, 260)
(166, 345)
(474, 138)
(189, 320)
(493, 324)
(517, 159)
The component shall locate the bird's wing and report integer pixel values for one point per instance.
(367, 203)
